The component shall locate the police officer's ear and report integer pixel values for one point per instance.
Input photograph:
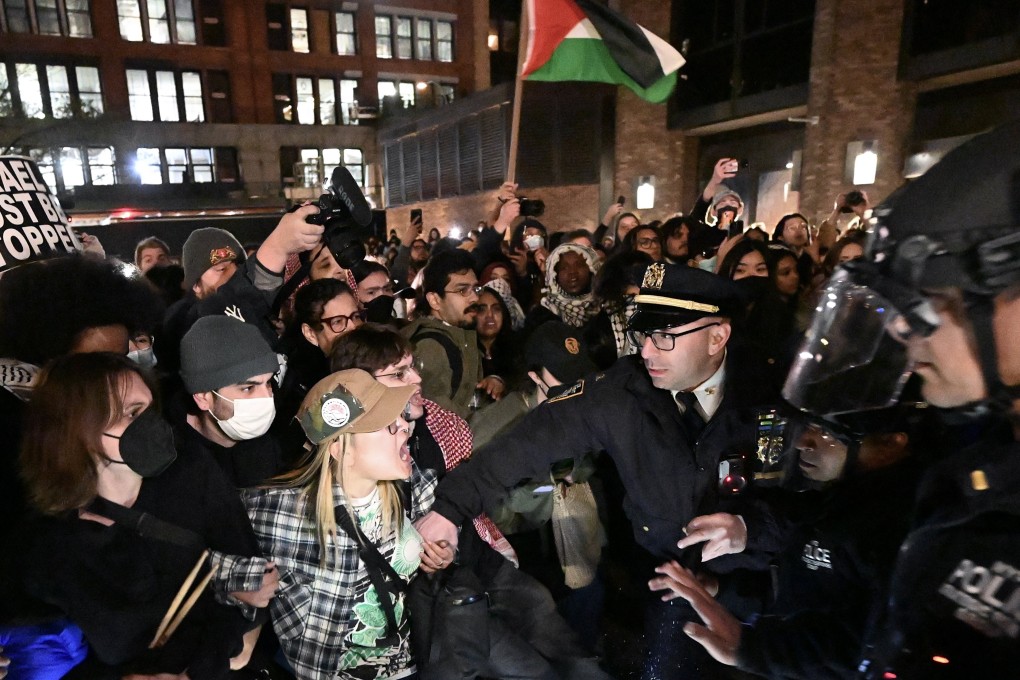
(718, 336)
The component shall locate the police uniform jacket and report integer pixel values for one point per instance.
(954, 604)
(620, 411)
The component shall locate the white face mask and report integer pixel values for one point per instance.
(143, 357)
(251, 419)
(533, 242)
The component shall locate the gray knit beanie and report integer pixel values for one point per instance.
(206, 248)
(220, 350)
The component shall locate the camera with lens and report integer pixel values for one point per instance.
(345, 214)
(531, 207)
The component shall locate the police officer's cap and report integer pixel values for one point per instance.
(673, 295)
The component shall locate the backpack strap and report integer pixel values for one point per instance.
(453, 355)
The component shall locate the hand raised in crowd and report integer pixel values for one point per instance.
(411, 231)
(541, 255)
(520, 259)
(493, 386)
(291, 235)
(260, 598)
(507, 191)
(720, 634)
(725, 168)
(508, 212)
(612, 213)
(91, 245)
(434, 528)
(435, 556)
(722, 534)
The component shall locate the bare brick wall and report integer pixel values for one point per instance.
(857, 97)
(566, 208)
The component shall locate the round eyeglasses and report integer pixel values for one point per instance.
(339, 323)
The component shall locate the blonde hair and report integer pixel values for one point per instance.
(316, 476)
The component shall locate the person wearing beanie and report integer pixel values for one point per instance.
(220, 280)
(716, 208)
(227, 368)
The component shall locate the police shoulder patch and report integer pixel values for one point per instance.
(574, 390)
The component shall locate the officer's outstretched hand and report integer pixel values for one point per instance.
(720, 635)
(722, 533)
(434, 528)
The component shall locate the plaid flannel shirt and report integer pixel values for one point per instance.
(313, 609)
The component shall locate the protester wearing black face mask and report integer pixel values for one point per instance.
(98, 458)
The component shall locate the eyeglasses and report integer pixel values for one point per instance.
(647, 242)
(795, 227)
(465, 290)
(402, 372)
(395, 427)
(339, 323)
(663, 341)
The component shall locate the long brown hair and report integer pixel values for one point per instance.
(79, 396)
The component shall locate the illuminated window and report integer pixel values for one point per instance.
(299, 30)
(423, 43)
(313, 101)
(444, 41)
(317, 165)
(346, 39)
(384, 37)
(157, 21)
(173, 95)
(49, 90)
(184, 165)
(67, 167)
(404, 40)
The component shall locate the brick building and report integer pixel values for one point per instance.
(807, 92)
(221, 103)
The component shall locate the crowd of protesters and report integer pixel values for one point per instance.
(524, 453)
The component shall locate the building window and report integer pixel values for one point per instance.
(737, 49)
(46, 17)
(384, 37)
(299, 30)
(184, 165)
(313, 101)
(166, 96)
(404, 39)
(346, 39)
(419, 38)
(67, 167)
(444, 41)
(157, 21)
(50, 91)
(404, 90)
(423, 43)
(316, 165)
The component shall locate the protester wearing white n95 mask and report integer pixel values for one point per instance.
(228, 368)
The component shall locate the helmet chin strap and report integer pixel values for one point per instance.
(980, 310)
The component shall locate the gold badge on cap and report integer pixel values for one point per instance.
(654, 276)
(572, 345)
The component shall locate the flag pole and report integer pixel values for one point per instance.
(515, 120)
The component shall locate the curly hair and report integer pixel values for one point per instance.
(46, 305)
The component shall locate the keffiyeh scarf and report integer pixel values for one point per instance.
(574, 310)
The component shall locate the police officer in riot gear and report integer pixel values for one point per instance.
(939, 295)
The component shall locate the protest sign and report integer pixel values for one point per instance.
(32, 224)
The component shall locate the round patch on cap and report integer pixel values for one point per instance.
(335, 412)
(572, 345)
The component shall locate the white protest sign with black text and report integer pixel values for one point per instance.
(32, 224)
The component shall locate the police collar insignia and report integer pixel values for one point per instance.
(654, 276)
(574, 390)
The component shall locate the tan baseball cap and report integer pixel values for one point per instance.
(350, 401)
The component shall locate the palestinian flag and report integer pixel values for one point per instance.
(584, 40)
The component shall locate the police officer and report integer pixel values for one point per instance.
(666, 417)
(939, 295)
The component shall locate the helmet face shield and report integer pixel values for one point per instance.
(854, 356)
